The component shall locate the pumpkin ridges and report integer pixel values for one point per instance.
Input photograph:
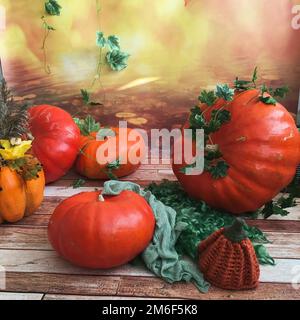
(261, 145)
(252, 271)
(88, 166)
(209, 240)
(61, 210)
(34, 190)
(12, 196)
(229, 262)
(98, 234)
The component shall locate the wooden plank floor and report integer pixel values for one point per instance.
(34, 271)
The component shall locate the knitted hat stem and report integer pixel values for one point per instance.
(235, 232)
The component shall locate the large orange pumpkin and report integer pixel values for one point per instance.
(88, 166)
(261, 145)
(19, 197)
(95, 231)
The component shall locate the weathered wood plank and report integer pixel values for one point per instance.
(61, 284)
(135, 287)
(284, 245)
(270, 225)
(153, 174)
(148, 287)
(72, 174)
(42, 216)
(29, 261)
(80, 297)
(20, 296)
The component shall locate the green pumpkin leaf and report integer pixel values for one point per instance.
(78, 183)
(281, 92)
(104, 133)
(273, 208)
(196, 119)
(100, 39)
(254, 76)
(87, 125)
(268, 100)
(221, 115)
(224, 92)
(113, 165)
(117, 60)
(110, 167)
(85, 96)
(207, 97)
(219, 170)
(263, 256)
(53, 8)
(113, 42)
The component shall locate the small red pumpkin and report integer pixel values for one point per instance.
(95, 231)
(261, 145)
(56, 139)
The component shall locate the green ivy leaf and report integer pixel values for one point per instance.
(221, 115)
(117, 59)
(272, 208)
(85, 96)
(263, 256)
(281, 92)
(196, 119)
(254, 76)
(207, 97)
(113, 42)
(78, 183)
(53, 8)
(219, 170)
(224, 92)
(268, 100)
(105, 133)
(113, 165)
(100, 39)
(87, 125)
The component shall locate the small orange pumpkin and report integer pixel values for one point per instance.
(87, 164)
(227, 259)
(20, 196)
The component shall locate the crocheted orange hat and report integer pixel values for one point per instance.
(227, 259)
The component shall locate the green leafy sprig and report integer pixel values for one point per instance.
(213, 161)
(87, 125)
(78, 183)
(201, 220)
(110, 167)
(53, 8)
(267, 94)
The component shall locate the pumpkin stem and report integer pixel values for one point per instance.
(212, 148)
(101, 198)
(235, 232)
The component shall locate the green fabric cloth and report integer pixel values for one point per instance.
(161, 256)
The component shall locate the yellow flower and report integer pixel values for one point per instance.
(9, 152)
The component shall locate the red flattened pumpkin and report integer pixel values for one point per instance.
(101, 232)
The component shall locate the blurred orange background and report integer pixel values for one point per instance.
(176, 50)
